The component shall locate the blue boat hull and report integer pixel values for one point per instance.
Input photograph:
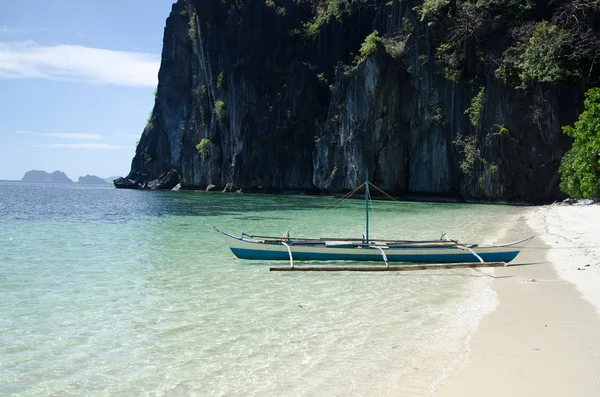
(462, 257)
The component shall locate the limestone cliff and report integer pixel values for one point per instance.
(249, 95)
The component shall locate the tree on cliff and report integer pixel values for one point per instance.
(580, 167)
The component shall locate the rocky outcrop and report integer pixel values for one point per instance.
(91, 179)
(126, 183)
(248, 98)
(43, 176)
(166, 181)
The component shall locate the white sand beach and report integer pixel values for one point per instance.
(544, 337)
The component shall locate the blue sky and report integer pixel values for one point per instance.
(77, 81)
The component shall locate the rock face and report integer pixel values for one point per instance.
(91, 179)
(246, 100)
(43, 176)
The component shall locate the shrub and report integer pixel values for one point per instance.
(431, 8)
(149, 123)
(322, 78)
(325, 10)
(192, 28)
(204, 147)
(221, 82)
(394, 48)
(502, 130)
(474, 111)
(220, 109)
(468, 147)
(543, 53)
(450, 60)
(494, 170)
(437, 113)
(546, 57)
(370, 45)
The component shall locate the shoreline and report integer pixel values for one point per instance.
(542, 339)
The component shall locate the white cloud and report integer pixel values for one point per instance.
(98, 146)
(63, 135)
(5, 29)
(27, 60)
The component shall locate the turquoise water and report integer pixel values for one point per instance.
(118, 292)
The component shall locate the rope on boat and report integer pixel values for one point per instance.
(371, 201)
(212, 249)
(289, 252)
(345, 197)
(384, 193)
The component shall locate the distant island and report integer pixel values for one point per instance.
(43, 176)
(61, 177)
(91, 179)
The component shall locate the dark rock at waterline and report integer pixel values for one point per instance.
(166, 181)
(574, 201)
(230, 187)
(126, 183)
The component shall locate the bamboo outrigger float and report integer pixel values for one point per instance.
(388, 267)
(436, 254)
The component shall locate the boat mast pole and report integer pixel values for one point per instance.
(367, 206)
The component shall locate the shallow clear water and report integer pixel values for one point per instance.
(119, 292)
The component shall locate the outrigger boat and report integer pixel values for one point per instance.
(442, 251)
(327, 249)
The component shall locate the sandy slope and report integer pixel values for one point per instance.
(544, 337)
(574, 234)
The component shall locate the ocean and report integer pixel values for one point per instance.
(109, 292)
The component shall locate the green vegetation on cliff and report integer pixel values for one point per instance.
(580, 166)
(542, 53)
(325, 10)
(474, 111)
(548, 41)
